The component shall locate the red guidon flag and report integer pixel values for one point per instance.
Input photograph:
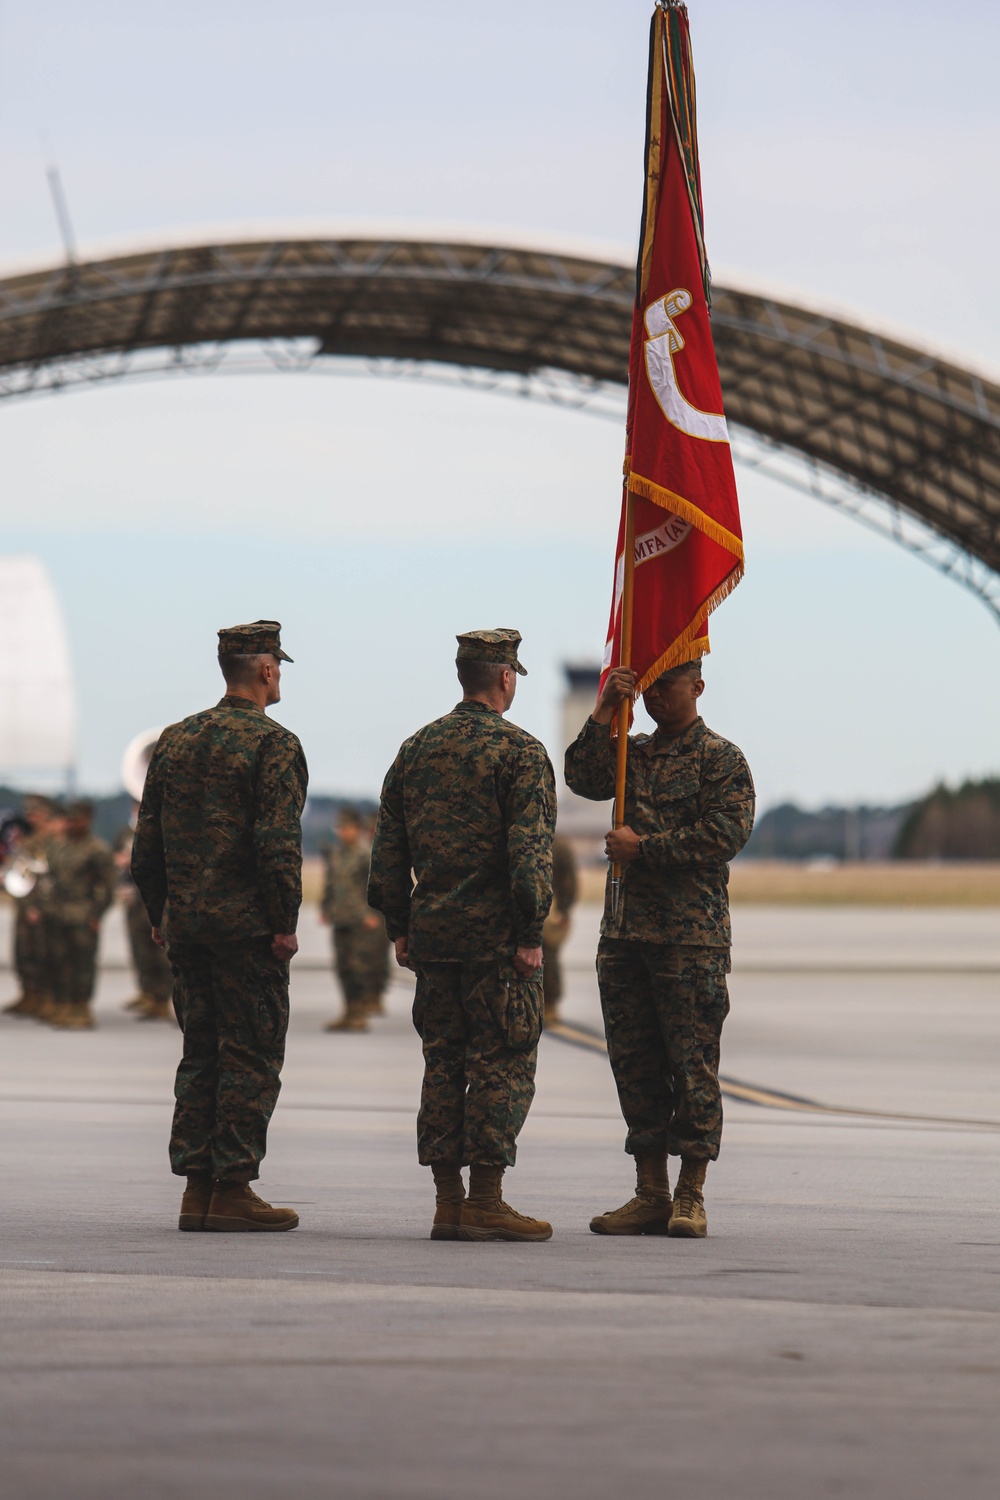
(688, 550)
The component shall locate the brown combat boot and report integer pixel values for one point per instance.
(485, 1216)
(689, 1220)
(139, 1003)
(355, 1018)
(72, 1017)
(196, 1199)
(374, 1004)
(158, 1010)
(236, 1209)
(649, 1211)
(25, 1005)
(46, 1008)
(450, 1196)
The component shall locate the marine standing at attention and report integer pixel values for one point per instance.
(152, 970)
(565, 890)
(469, 808)
(83, 878)
(30, 964)
(217, 858)
(663, 957)
(360, 946)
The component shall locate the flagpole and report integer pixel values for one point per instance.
(624, 707)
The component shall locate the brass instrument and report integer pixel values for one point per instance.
(135, 761)
(21, 875)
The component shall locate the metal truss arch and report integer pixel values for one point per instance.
(879, 420)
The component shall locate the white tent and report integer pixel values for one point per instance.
(37, 707)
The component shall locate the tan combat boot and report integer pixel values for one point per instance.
(72, 1017)
(25, 1005)
(158, 1010)
(649, 1211)
(46, 1008)
(236, 1209)
(485, 1216)
(689, 1220)
(139, 1003)
(355, 1018)
(196, 1199)
(450, 1191)
(375, 1005)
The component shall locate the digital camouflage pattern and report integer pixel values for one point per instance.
(360, 950)
(344, 902)
(663, 1012)
(218, 843)
(565, 887)
(71, 960)
(479, 1023)
(232, 1005)
(80, 889)
(30, 956)
(469, 806)
(152, 970)
(258, 639)
(83, 879)
(691, 799)
(497, 646)
(29, 949)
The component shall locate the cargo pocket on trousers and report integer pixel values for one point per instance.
(272, 999)
(517, 1006)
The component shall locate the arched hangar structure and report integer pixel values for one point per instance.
(904, 438)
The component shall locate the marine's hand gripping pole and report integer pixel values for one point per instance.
(625, 706)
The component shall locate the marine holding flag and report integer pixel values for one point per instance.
(684, 795)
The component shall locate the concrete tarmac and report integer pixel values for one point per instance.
(837, 1335)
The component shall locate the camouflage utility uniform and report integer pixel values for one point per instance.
(469, 807)
(30, 948)
(83, 878)
(218, 861)
(151, 965)
(361, 952)
(662, 964)
(565, 888)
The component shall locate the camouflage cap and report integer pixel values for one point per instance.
(258, 639)
(672, 673)
(499, 646)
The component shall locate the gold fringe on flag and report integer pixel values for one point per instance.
(661, 496)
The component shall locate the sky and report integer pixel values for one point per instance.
(848, 153)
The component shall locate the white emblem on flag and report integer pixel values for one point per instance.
(668, 535)
(665, 340)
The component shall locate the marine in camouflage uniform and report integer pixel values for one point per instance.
(45, 826)
(565, 888)
(469, 807)
(82, 886)
(360, 945)
(152, 968)
(217, 859)
(664, 955)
